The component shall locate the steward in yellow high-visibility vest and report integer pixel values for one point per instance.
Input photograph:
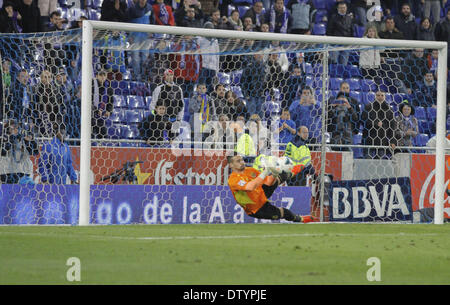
(297, 150)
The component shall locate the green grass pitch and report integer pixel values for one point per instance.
(259, 254)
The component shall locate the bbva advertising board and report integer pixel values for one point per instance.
(371, 200)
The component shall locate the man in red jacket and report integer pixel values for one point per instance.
(163, 13)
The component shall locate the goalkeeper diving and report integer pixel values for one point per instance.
(252, 188)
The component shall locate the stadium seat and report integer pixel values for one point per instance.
(117, 116)
(308, 69)
(236, 77)
(130, 132)
(133, 117)
(317, 69)
(389, 98)
(431, 113)
(238, 91)
(136, 102)
(320, 14)
(368, 97)
(115, 131)
(230, 9)
(354, 84)
(336, 70)
(353, 71)
(357, 152)
(356, 95)
(421, 139)
(359, 31)
(424, 126)
(93, 14)
(119, 101)
(320, 4)
(319, 29)
(224, 78)
(335, 83)
(309, 81)
(399, 97)
(420, 113)
(242, 10)
(368, 85)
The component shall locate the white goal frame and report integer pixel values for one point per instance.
(87, 76)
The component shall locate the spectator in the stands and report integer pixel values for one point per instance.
(276, 78)
(220, 23)
(295, 84)
(340, 117)
(442, 33)
(163, 13)
(103, 104)
(211, 61)
(248, 24)
(10, 19)
(20, 102)
(189, 14)
(405, 21)
(425, 30)
(407, 126)
(302, 13)
(79, 23)
(156, 127)
(256, 14)
(426, 93)
(202, 106)
(414, 66)
(279, 18)
(234, 107)
(114, 10)
(432, 9)
(379, 127)
(140, 13)
(370, 59)
(432, 61)
(306, 111)
(157, 63)
(344, 90)
(286, 128)
(235, 19)
(359, 7)
(208, 6)
(340, 24)
(391, 32)
(31, 16)
(47, 7)
(219, 99)
(64, 86)
(171, 95)
(252, 83)
(49, 103)
(186, 67)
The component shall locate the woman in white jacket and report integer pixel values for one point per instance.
(370, 59)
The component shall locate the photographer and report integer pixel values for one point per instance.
(341, 116)
(17, 146)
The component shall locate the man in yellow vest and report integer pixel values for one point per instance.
(297, 150)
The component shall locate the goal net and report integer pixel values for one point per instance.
(147, 123)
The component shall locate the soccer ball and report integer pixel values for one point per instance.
(280, 165)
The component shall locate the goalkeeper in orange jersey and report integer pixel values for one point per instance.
(251, 188)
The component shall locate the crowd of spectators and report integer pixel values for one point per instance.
(270, 84)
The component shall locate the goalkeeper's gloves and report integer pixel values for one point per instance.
(264, 174)
(297, 169)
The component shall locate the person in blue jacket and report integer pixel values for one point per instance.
(55, 160)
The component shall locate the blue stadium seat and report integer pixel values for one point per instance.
(367, 97)
(119, 101)
(320, 4)
(359, 31)
(133, 117)
(130, 132)
(431, 113)
(399, 97)
(389, 98)
(335, 83)
(354, 84)
(421, 139)
(242, 10)
(93, 14)
(337, 70)
(309, 81)
(353, 71)
(136, 102)
(117, 116)
(224, 78)
(238, 91)
(319, 29)
(357, 152)
(356, 95)
(424, 126)
(320, 14)
(148, 100)
(115, 131)
(139, 88)
(317, 69)
(368, 85)
(236, 77)
(230, 9)
(420, 113)
(308, 69)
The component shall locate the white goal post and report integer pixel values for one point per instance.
(87, 75)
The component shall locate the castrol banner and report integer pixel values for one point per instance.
(423, 182)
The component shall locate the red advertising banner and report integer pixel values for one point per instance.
(164, 166)
(423, 182)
